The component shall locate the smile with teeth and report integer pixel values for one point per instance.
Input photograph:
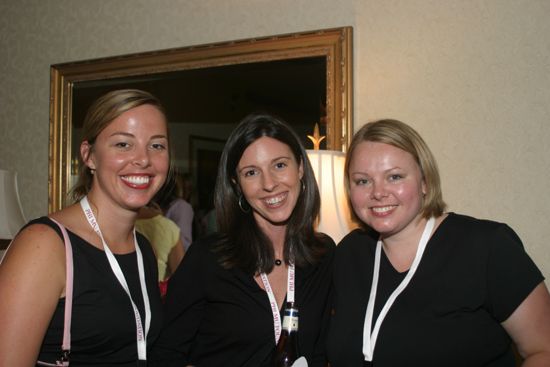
(383, 209)
(275, 200)
(136, 181)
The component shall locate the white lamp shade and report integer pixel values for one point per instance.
(335, 217)
(11, 213)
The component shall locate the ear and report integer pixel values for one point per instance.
(87, 154)
(301, 169)
(236, 186)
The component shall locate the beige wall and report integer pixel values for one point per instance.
(472, 76)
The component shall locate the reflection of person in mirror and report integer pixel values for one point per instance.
(116, 306)
(164, 236)
(175, 201)
(224, 303)
(418, 286)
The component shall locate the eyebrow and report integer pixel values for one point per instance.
(281, 157)
(161, 136)
(272, 161)
(366, 173)
(122, 133)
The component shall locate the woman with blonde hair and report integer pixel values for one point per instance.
(418, 286)
(115, 298)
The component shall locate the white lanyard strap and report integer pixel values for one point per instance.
(290, 284)
(369, 335)
(141, 336)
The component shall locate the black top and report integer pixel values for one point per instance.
(473, 275)
(103, 326)
(218, 317)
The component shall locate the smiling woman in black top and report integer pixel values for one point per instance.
(218, 312)
(417, 286)
(116, 312)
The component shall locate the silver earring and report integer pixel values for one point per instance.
(241, 205)
(303, 186)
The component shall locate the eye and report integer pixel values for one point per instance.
(395, 177)
(249, 173)
(280, 165)
(122, 144)
(361, 181)
(158, 146)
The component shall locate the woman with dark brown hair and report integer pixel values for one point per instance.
(225, 301)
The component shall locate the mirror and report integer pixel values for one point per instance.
(206, 89)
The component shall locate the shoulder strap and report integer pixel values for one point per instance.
(66, 346)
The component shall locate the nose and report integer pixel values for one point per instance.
(141, 157)
(378, 191)
(269, 181)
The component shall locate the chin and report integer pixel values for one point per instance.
(379, 226)
(137, 203)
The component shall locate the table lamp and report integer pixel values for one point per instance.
(328, 165)
(11, 213)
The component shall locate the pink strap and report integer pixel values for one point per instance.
(66, 346)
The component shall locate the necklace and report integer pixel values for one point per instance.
(278, 262)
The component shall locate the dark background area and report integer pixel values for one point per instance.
(294, 89)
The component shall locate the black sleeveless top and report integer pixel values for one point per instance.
(103, 330)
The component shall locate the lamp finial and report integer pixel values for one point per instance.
(316, 138)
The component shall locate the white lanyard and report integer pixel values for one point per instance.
(140, 335)
(289, 298)
(369, 339)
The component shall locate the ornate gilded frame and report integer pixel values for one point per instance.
(334, 44)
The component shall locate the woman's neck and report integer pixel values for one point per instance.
(400, 248)
(277, 236)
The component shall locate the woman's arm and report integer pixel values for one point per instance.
(32, 279)
(174, 257)
(529, 327)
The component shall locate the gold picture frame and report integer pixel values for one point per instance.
(334, 45)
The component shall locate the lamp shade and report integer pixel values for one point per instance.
(11, 213)
(335, 217)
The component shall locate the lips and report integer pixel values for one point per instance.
(275, 201)
(383, 210)
(137, 181)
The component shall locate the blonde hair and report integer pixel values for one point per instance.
(100, 114)
(402, 136)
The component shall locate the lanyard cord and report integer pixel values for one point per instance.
(369, 335)
(141, 336)
(290, 284)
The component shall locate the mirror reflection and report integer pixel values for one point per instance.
(206, 90)
(204, 105)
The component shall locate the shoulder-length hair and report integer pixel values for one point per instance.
(245, 245)
(100, 114)
(402, 136)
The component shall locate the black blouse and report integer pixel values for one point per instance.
(473, 275)
(103, 326)
(218, 317)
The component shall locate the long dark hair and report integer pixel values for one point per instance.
(244, 245)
